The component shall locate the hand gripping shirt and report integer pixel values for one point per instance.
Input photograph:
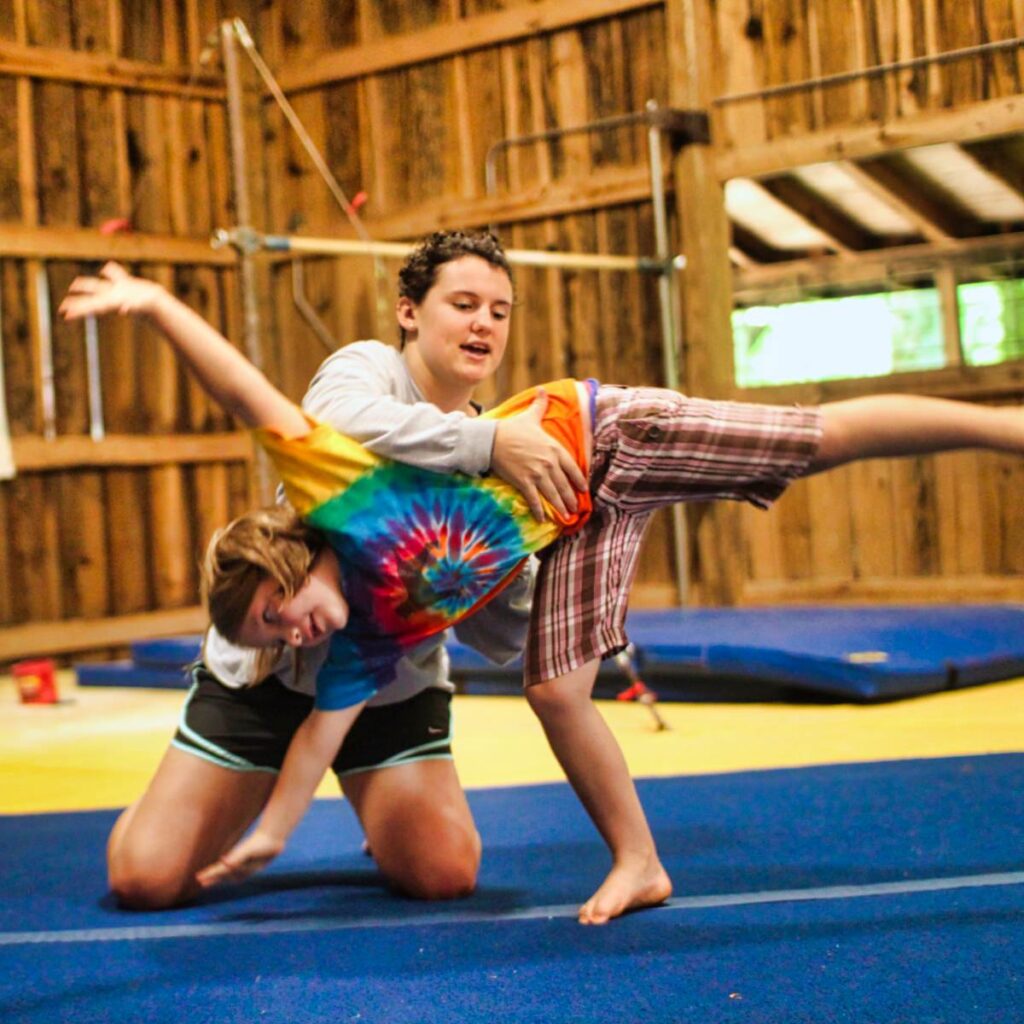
(418, 551)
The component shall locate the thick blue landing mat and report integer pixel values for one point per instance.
(865, 654)
(871, 653)
(862, 653)
(864, 893)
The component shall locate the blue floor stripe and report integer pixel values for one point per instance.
(741, 899)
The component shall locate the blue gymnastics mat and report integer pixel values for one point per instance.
(852, 653)
(842, 652)
(840, 894)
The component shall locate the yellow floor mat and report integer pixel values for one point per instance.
(99, 746)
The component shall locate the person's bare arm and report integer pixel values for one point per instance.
(223, 372)
(310, 753)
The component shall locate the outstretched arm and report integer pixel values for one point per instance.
(312, 750)
(223, 372)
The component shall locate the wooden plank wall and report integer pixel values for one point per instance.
(927, 529)
(414, 137)
(109, 116)
(407, 113)
(101, 539)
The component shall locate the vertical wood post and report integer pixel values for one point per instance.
(707, 366)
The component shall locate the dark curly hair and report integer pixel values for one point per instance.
(419, 272)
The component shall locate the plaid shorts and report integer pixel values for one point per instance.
(652, 448)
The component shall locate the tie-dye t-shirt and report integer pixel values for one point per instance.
(418, 550)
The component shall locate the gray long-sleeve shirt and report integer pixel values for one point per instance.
(365, 391)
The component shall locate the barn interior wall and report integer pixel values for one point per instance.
(112, 115)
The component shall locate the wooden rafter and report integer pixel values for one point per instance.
(843, 233)
(902, 193)
(1002, 159)
(876, 266)
(756, 249)
(38, 638)
(971, 122)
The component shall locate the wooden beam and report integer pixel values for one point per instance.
(892, 590)
(448, 39)
(983, 120)
(62, 637)
(970, 383)
(877, 266)
(758, 251)
(946, 284)
(1001, 159)
(33, 454)
(88, 244)
(54, 64)
(706, 361)
(897, 188)
(843, 233)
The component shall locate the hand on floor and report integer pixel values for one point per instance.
(252, 854)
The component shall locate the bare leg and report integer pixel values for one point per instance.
(594, 765)
(191, 813)
(419, 827)
(892, 425)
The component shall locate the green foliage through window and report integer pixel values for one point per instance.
(875, 334)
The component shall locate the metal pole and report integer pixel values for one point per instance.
(306, 310)
(249, 240)
(874, 71)
(350, 211)
(92, 363)
(600, 124)
(240, 182)
(47, 391)
(667, 298)
(251, 334)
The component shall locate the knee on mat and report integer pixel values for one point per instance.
(448, 872)
(136, 889)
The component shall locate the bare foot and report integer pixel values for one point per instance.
(627, 887)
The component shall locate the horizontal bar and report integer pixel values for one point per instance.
(875, 70)
(399, 250)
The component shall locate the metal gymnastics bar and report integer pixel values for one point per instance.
(252, 241)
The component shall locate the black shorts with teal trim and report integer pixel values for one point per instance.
(250, 729)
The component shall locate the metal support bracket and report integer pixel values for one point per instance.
(682, 127)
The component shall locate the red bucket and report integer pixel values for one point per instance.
(37, 681)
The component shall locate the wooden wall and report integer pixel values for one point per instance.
(108, 115)
(926, 529)
(457, 91)
(99, 540)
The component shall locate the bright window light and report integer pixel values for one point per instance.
(825, 339)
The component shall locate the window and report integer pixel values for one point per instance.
(875, 334)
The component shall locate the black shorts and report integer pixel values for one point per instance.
(249, 730)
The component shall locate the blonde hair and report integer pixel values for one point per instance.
(267, 543)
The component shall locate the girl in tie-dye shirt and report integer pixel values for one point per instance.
(416, 551)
